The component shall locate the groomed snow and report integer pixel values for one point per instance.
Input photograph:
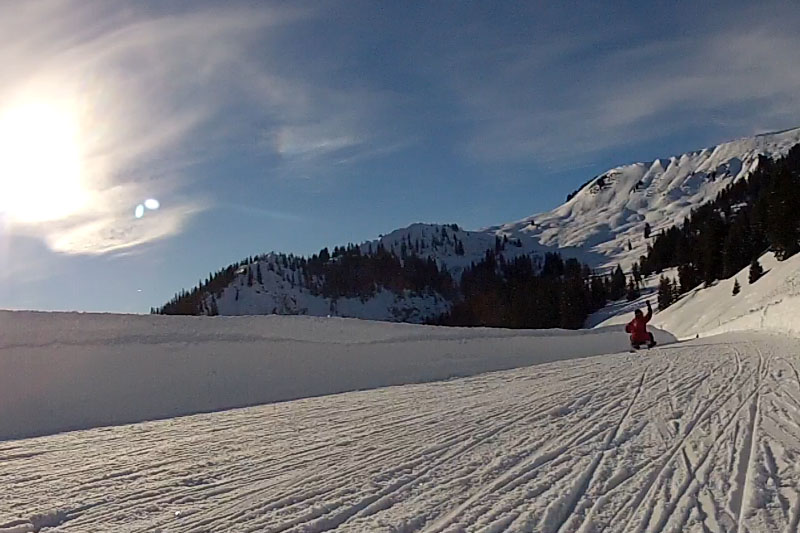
(699, 436)
(61, 371)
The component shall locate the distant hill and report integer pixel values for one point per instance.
(416, 274)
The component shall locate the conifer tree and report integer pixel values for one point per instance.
(665, 293)
(736, 287)
(783, 217)
(575, 298)
(676, 291)
(687, 277)
(618, 283)
(599, 293)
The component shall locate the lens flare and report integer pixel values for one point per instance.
(139, 211)
(152, 204)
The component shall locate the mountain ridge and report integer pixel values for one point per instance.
(606, 222)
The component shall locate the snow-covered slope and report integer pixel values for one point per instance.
(280, 293)
(602, 225)
(699, 437)
(61, 371)
(770, 304)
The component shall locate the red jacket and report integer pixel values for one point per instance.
(638, 328)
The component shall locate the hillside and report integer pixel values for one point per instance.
(611, 210)
(770, 304)
(413, 274)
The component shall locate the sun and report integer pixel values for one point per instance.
(40, 162)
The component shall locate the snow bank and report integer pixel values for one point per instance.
(62, 371)
(770, 304)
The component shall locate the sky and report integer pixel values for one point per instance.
(290, 126)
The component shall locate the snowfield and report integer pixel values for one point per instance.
(699, 436)
(63, 371)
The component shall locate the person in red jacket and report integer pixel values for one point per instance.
(638, 329)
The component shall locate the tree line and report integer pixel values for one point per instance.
(526, 292)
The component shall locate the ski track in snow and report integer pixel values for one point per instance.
(702, 436)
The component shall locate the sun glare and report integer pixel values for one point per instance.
(40, 163)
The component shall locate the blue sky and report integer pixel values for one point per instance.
(291, 126)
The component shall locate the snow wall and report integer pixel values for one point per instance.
(66, 371)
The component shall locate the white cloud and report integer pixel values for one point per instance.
(155, 92)
(580, 94)
(136, 86)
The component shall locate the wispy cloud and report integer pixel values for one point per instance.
(136, 85)
(580, 92)
(263, 212)
(155, 91)
(158, 89)
(324, 118)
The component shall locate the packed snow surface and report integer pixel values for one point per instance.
(700, 436)
(61, 371)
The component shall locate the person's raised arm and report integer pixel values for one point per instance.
(649, 314)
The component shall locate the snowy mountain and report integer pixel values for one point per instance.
(603, 224)
(611, 210)
(278, 284)
(282, 293)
